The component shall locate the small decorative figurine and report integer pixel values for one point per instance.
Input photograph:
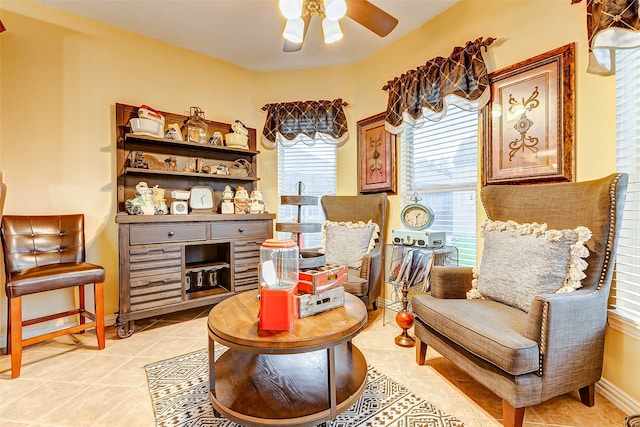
(172, 163)
(216, 139)
(138, 161)
(190, 165)
(142, 204)
(227, 194)
(159, 202)
(241, 200)
(227, 206)
(222, 169)
(256, 204)
(173, 132)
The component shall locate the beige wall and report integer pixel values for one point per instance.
(61, 76)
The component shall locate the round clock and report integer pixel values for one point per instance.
(416, 216)
(201, 197)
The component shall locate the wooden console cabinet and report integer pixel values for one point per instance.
(160, 255)
(158, 252)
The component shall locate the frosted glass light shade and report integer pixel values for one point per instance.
(331, 30)
(335, 9)
(291, 9)
(294, 30)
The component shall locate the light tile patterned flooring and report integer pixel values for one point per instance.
(68, 382)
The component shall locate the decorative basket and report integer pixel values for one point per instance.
(240, 167)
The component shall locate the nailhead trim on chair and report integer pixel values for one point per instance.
(543, 337)
(603, 275)
(612, 227)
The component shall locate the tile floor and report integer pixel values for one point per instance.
(68, 382)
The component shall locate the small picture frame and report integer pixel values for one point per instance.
(376, 156)
(530, 120)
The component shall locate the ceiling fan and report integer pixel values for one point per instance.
(363, 12)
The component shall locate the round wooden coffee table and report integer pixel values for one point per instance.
(301, 377)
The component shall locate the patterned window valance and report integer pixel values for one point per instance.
(611, 25)
(305, 121)
(424, 93)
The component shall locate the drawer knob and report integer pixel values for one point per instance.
(170, 234)
(240, 230)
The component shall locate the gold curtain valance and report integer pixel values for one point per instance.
(305, 121)
(424, 93)
(611, 25)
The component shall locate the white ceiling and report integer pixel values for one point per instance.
(248, 33)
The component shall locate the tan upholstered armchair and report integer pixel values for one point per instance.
(365, 282)
(558, 345)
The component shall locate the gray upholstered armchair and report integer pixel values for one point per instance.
(366, 281)
(556, 344)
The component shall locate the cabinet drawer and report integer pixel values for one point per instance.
(154, 261)
(156, 291)
(166, 233)
(239, 229)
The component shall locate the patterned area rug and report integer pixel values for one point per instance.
(179, 393)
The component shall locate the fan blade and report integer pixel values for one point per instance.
(290, 46)
(371, 17)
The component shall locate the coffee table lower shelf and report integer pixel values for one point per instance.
(288, 389)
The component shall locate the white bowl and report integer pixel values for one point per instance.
(236, 140)
(146, 127)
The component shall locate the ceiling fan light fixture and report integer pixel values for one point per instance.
(335, 9)
(294, 30)
(291, 9)
(331, 30)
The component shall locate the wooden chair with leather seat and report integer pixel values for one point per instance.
(41, 254)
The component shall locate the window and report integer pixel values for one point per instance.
(439, 162)
(315, 167)
(625, 293)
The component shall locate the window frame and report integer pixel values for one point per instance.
(308, 214)
(627, 160)
(466, 188)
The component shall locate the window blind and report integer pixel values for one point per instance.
(314, 167)
(439, 162)
(625, 293)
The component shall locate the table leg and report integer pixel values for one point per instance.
(331, 364)
(212, 373)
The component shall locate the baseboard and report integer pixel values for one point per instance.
(110, 320)
(616, 396)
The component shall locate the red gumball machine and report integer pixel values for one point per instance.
(404, 319)
(278, 284)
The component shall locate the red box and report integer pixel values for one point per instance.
(278, 309)
(312, 281)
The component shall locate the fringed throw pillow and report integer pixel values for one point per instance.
(346, 243)
(520, 261)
